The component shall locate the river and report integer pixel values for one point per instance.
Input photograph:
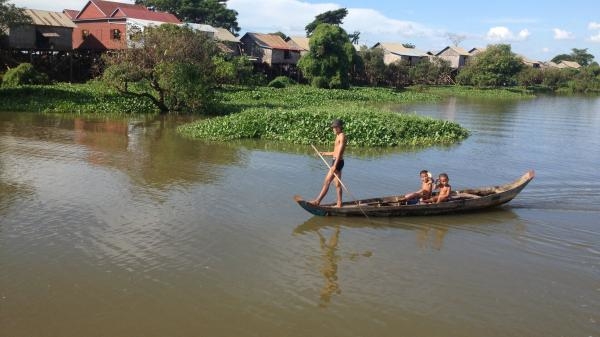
(123, 228)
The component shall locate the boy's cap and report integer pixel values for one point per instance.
(337, 123)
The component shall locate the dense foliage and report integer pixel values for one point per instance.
(24, 73)
(210, 12)
(280, 82)
(399, 74)
(237, 99)
(329, 60)
(335, 17)
(496, 66)
(174, 67)
(301, 114)
(565, 80)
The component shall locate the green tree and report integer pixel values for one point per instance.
(11, 15)
(210, 12)
(555, 78)
(174, 67)
(530, 76)
(397, 74)
(428, 72)
(586, 80)
(580, 56)
(374, 69)
(562, 57)
(330, 58)
(235, 70)
(494, 67)
(335, 17)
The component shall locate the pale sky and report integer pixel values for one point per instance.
(538, 30)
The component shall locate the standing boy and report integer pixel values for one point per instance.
(337, 164)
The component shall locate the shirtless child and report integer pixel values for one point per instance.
(426, 187)
(444, 190)
(337, 164)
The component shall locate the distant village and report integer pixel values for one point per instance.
(101, 26)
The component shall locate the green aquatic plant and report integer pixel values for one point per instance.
(89, 98)
(364, 126)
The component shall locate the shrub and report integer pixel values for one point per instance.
(24, 73)
(280, 82)
(319, 82)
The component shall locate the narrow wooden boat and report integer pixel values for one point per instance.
(465, 200)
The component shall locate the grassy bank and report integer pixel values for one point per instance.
(467, 91)
(89, 98)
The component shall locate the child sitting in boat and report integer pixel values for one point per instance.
(424, 192)
(444, 190)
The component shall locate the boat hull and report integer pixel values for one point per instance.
(467, 200)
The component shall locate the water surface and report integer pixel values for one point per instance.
(122, 228)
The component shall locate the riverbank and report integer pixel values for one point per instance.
(297, 114)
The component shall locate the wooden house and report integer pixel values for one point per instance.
(226, 42)
(530, 63)
(393, 52)
(569, 64)
(270, 49)
(455, 55)
(105, 25)
(47, 31)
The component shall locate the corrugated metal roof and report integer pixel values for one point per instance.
(476, 50)
(399, 49)
(108, 7)
(570, 64)
(301, 42)
(71, 13)
(48, 18)
(225, 35)
(272, 41)
(200, 27)
(458, 50)
(145, 14)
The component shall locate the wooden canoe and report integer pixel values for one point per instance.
(466, 200)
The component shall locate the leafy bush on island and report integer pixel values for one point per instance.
(23, 74)
(280, 82)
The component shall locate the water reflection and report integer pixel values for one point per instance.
(329, 249)
(148, 149)
(330, 257)
(431, 237)
(430, 230)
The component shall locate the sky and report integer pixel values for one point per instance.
(536, 29)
